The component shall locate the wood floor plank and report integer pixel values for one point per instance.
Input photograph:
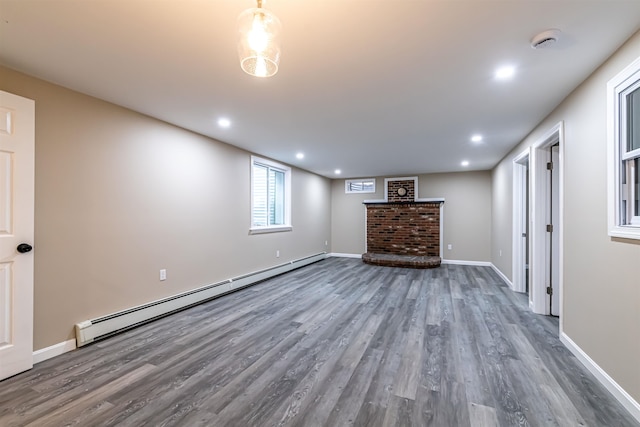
(311, 388)
(553, 407)
(352, 397)
(95, 397)
(414, 290)
(406, 384)
(336, 343)
(381, 388)
(482, 416)
(311, 348)
(455, 288)
(340, 376)
(434, 309)
(399, 412)
(508, 407)
(371, 290)
(451, 406)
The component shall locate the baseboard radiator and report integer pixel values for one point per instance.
(92, 330)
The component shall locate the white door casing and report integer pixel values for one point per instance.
(519, 259)
(554, 243)
(539, 218)
(17, 153)
(538, 300)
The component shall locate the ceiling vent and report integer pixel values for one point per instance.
(545, 39)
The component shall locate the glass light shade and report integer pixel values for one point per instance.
(259, 43)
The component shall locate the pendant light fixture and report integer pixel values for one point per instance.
(259, 44)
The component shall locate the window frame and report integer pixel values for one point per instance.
(620, 159)
(271, 165)
(347, 190)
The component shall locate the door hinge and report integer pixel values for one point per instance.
(549, 228)
(549, 166)
(549, 290)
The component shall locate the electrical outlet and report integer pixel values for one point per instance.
(163, 274)
(449, 246)
(500, 252)
(277, 254)
(326, 243)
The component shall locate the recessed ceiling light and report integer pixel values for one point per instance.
(465, 163)
(300, 156)
(504, 73)
(476, 138)
(337, 171)
(223, 122)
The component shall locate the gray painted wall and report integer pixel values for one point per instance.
(601, 305)
(467, 214)
(120, 195)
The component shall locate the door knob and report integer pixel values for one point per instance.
(23, 248)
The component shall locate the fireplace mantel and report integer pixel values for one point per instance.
(408, 202)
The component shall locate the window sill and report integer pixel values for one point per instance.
(277, 229)
(625, 232)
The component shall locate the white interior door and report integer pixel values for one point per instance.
(17, 147)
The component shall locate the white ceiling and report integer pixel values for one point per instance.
(375, 87)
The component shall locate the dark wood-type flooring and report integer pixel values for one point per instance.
(336, 343)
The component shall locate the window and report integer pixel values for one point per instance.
(367, 185)
(624, 153)
(630, 155)
(270, 196)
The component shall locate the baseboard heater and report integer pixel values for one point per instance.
(92, 330)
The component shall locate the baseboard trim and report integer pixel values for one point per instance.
(463, 262)
(341, 255)
(90, 330)
(609, 383)
(502, 276)
(53, 351)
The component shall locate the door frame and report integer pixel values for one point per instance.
(519, 258)
(553, 241)
(540, 195)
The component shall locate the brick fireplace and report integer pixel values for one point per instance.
(402, 230)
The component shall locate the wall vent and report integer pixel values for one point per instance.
(545, 39)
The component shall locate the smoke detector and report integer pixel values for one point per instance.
(545, 39)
